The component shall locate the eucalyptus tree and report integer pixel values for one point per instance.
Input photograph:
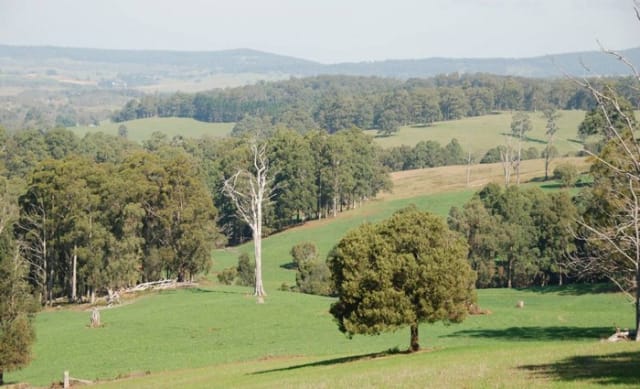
(551, 115)
(249, 189)
(293, 179)
(520, 125)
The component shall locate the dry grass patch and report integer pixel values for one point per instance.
(420, 182)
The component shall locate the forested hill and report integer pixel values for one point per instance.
(597, 62)
(252, 61)
(224, 61)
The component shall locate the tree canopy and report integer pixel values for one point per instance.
(406, 270)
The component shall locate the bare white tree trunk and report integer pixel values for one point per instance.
(248, 191)
(74, 275)
(506, 157)
(257, 249)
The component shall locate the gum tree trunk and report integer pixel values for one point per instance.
(257, 240)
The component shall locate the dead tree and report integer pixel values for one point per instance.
(507, 160)
(249, 190)
(520, 124)
(614, 241)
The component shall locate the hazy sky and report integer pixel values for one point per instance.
(327, 30)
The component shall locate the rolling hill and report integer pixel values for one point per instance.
(253, 61)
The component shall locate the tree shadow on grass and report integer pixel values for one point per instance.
(576, 289)
(525, 138)
(201, 290)
(538, 333)
(606, 369)
(289, 266)
(334, 361)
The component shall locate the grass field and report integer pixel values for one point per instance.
(141, 129)
(412, 183)
(217, 336)
(479, 134)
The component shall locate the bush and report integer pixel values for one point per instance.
(493, 155)
(566, 173)
(228, 275)
(312, 275)
(246, 271)
(304, 252)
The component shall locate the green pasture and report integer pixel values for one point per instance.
(479, 134)
(326, 233)
(141, 129)
(217, 336)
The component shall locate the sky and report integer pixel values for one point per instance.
(327, 31)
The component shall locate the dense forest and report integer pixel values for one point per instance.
(334, 103)
(103, 212)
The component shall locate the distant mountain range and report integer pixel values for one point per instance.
(253, 61)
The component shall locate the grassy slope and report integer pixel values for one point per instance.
(479, 134)
(141, 129)
(218, 337)
(224, 332)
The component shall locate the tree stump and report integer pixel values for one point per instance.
(95, 318)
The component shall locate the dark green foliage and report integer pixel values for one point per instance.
(17, 309)
(294, 197)
(335, 103)
(493, 155)
(566, 173)
(312, 275)
(424, 154)
(246, 271)
(602, 119)
(84, 215)
(517, 237)
(403, 271)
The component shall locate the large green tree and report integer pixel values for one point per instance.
(17, 306)
(404, 271)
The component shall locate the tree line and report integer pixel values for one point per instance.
(103, 212)
(333, 103)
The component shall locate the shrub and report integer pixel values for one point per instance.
(246, 271)
(312, 275)
(566, 173)
(228, 275)
(304, 252)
